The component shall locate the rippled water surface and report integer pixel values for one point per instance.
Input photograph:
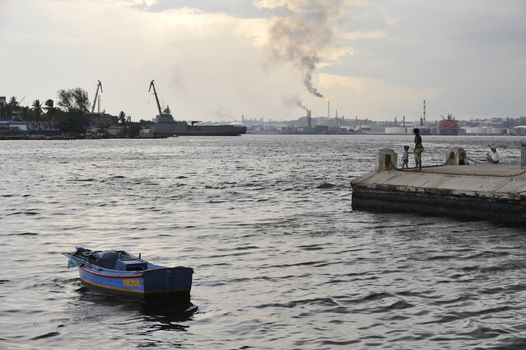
(281, 260)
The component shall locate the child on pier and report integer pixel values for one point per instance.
(405, 158)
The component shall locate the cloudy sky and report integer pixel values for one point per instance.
(220, 59)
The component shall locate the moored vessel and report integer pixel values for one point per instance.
(164, 125)
(120, 273)
(448, 126)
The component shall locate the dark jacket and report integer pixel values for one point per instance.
(418, 141)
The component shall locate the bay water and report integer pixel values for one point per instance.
(281, 260)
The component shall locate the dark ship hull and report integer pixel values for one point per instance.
(184, 129)
(165, 126)
(448, 131)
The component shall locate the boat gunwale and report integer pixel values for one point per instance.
(121, 274)
(101, 271)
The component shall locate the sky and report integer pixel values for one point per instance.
(216, 60)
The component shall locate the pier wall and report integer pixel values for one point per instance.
(486, 192)
(439, 203)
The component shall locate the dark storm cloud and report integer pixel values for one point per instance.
(471, 50)
(458, 35)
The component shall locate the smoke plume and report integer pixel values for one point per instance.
(295, 101)
(299, 36)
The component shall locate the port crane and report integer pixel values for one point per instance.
(152, 86)
(99, 86)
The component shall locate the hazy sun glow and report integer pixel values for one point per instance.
(219, 60)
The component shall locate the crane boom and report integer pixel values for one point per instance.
(152, 86)
(99, 86)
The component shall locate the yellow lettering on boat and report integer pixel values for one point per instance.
(131, 282)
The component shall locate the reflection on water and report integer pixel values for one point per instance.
(281, 261)
(172, 312)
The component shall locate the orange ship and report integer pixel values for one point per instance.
(448, 126)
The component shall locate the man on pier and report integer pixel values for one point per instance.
(418, 149)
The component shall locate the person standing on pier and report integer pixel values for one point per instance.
(418, 149)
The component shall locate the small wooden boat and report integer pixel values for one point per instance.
(118, 272)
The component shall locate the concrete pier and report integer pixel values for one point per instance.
(493, 192)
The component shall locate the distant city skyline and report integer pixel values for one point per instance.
(218, 60)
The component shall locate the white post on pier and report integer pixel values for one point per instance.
(456, 156)
(386, 160)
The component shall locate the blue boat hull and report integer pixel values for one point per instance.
(154, 285)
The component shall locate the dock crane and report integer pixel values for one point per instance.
(99, 86)
(152, 86)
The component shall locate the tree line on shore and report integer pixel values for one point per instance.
(70, 114)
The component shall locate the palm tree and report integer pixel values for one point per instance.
(49, 107)
(122, 117)
(13, 103)
(3, 110)
(12, 106)
(37, 109)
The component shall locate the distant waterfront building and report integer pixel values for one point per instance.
(102, 120)
(10, 127)
(363, 130)
(146, 133)
(485, 130)
(31, 129)
(42, 128)
(398, 130)
(117, 130)
(321, 129)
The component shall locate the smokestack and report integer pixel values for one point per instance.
(328, 108)
(309, 119)
(423, 118)
(424, 110)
